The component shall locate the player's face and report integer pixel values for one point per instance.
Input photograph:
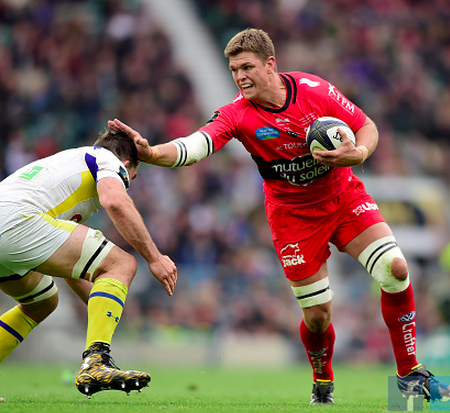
(250, 74)
(132, 170)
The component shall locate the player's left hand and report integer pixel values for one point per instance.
(346, 155)
(165, 271)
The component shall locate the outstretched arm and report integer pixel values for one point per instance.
(128, 221)
(161, 155)
(179, 152)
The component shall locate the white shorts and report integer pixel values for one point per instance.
(28, 239)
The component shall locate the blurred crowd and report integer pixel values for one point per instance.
(67, 66)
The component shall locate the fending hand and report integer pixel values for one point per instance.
(144, 149)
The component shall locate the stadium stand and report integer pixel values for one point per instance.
(66, 67)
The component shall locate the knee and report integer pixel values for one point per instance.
(318, 318)
(41, 301)
(40, 310)
(130, 266)
(399, 269)
(386, 263)
(127, 263)
(52, 302)
(118, 265)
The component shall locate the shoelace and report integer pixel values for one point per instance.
(109, 361)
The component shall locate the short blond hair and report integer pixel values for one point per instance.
(251, 40)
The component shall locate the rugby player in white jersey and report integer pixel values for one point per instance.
(42, 208)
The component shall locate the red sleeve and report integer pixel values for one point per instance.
(221, 126)
(327, 100)
(342, 108)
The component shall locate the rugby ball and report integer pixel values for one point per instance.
(323, 134)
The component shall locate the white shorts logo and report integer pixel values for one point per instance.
(367, 206)
(290, 255)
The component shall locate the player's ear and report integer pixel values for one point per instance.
(270, 63)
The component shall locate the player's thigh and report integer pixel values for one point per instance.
(367, 237)
(319, 275)
(301, 238)
(87, 254)
(22, 286)
(62, 261)
(35, 293)
(30, 241)
(361, 223)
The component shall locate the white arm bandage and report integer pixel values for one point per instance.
(193, 148)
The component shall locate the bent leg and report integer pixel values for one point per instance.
(88, 254)
(37, 296)
(108, 295)
(377, 250)
(105, 307)
(71, 251)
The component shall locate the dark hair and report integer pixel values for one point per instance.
(120, 144)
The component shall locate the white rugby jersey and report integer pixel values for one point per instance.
(63, 185)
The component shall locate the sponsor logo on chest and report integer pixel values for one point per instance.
(267, 132)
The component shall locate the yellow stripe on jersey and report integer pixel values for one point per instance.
(59, 223)
(86, 190)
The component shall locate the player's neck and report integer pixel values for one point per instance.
(275, 95)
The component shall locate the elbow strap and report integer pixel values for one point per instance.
(193, 148)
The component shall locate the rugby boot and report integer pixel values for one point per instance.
(98, 372)
(322, 392)
(421, 381)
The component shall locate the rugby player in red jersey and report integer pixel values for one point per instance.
(310, 199)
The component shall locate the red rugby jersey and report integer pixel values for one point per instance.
(276, 138)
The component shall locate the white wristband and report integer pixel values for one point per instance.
(193, 148)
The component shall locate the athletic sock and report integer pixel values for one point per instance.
(105, 307)
(399, 315)
(14, 327)
(319, 349)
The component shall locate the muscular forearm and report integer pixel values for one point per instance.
(367, 138)
(126, 218)
(162, 155)
(130, 224)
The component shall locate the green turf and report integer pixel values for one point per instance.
(39, 388)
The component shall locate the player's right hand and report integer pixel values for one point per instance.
(165, 271)
(144, 149)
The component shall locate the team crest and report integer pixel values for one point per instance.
(214, 116)
(124, 176)
(406, 318)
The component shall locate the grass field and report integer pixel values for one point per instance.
(49, 389)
